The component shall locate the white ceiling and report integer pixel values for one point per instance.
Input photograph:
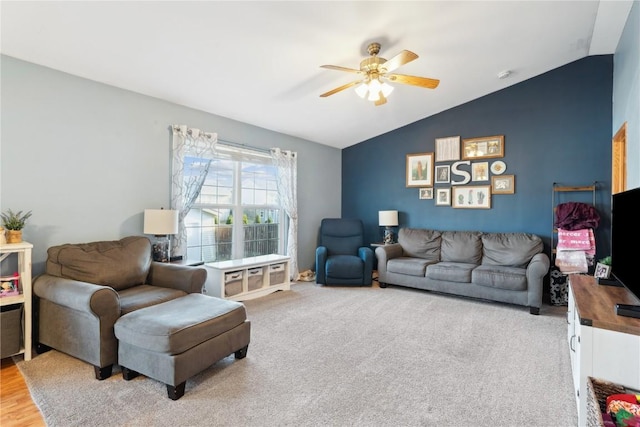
(259, 62)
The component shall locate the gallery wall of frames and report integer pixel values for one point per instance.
(463, 174)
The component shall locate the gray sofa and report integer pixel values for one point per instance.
(503, 267)
(87, 287)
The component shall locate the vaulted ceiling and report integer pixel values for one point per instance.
(259, 62)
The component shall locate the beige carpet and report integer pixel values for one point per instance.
(341, 356)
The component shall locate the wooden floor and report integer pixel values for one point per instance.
(16, 406)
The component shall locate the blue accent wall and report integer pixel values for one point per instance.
(557, 128)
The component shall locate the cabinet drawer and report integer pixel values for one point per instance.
(254, 278)
(276, 274)
(233, 283)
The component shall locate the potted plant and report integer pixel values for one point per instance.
(13, 223)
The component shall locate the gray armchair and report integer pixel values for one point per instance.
(87, 287)
(341, 257)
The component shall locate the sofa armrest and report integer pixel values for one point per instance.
(537, 269)
(86, 297)
(385, 253)
(188, 279)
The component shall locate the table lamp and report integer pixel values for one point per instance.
(161, 223)
(388, 220)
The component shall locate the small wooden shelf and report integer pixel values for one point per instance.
(23, 251)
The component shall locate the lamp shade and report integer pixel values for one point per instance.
(388, 218)
(160, 222)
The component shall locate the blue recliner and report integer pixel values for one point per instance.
(341, 257)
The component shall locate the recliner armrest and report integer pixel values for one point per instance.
(188, 279)
(321, 260)
(81, 296)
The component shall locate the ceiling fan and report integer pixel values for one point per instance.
(373, 72)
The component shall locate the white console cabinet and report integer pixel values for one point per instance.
(248, 278)
(602, 344)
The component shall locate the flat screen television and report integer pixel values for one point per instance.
(625, 236)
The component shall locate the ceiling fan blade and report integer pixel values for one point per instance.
(413, 80)
(381, 101)
(338, 89)
(336, 67)
(402, 58)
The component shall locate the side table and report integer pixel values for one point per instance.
(187, 262)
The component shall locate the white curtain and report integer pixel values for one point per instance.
(188, 142)
(286, 163)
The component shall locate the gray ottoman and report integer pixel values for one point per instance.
(172, 341)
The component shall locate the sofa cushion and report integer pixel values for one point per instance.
(495, 276)
(451, 271)
(461, 246)
(420, 243)
(119, 264)
(510, 249)
(409, 266)
(142, 296)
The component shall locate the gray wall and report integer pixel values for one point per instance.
(626, 92)
(88, 158)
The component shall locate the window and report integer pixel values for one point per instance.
(237, 213)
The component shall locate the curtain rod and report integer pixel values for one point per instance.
(225, 142)
(245, 146)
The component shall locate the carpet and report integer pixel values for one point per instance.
(345, 356)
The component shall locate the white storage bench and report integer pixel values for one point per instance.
(248, 278)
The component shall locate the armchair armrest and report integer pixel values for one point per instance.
(188, 279)
(366, 255)
(321, 261)
(101, 301)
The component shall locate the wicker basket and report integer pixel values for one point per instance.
(597, 392)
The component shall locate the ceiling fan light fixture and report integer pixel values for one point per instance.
(362, 90)
(375, 85)
(386, 89)
(374, 96)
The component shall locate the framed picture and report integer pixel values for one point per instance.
(420, 170)
(480, 171)
(483, 148)
(472, 197)
(447, 149)
(443, 196)
(602, 271)
(442, 174)
(426, 193)
(503, 184)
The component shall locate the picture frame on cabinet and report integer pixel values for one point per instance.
(419, 170)
(443, 196)
(471, 197)
(503, 184)
(485, 147)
